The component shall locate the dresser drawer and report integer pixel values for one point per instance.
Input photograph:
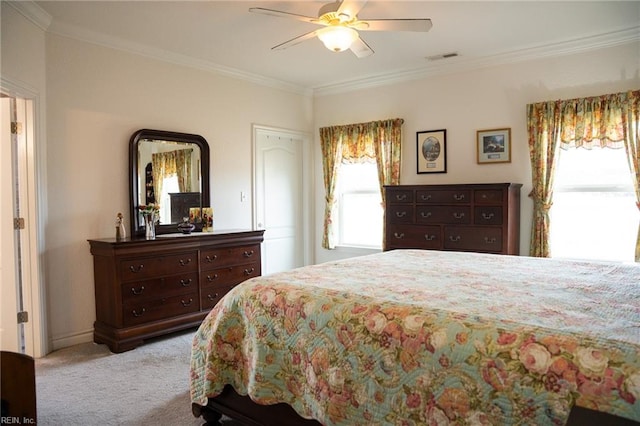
(413, 236)
(212, 295)
(394, 195)
(159, 287)
(487, 215)
(142, 268)
(474, 238)
(443, 214)
(489, 196)
(155, 309)
(399, 213)
(218, 257)
(229, 275)
(443, 196)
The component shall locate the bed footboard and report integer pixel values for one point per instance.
(249, 413)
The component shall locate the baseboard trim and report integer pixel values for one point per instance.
(61, 342)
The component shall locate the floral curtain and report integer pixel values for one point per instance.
(610, 121)
(166, 164)
(378, 141)
(631, 130)
(543, 123)
(183, 169)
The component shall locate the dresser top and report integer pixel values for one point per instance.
(195, 239)
(458, 186)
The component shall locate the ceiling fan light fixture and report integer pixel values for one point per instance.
(337, 38)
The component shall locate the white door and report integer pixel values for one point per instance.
(15, 265)
(279, 197)
(8, 325)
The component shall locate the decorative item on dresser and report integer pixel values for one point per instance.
(147, 288)
(468, 217)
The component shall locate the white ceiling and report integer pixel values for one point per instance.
(224, 36)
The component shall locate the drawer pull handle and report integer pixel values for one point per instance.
(425, 215)
(248, 272)
(248, 253)
(484, 196)
(138, 314)
(458, 215)
(401, 197)
(491, 240)
(211, 258)
(136, 270)
(211, 278)
(185, 262)
(454, 239)
(185, 304)
(401, 214)
(429, 237)
(425, 197)
(398, 235)
(137, 292)
(458, 197)
(212, 298)
(185, 283)
(487, 216)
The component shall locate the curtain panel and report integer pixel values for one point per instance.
(608, 121)
(166, 164)
(378, 141)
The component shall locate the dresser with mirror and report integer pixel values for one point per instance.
(146, 288)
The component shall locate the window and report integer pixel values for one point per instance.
(170, 185)
(594, 215)
(360, 211)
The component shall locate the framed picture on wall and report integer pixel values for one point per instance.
(494, 146)
(431, 151)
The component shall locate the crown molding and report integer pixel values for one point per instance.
(32, 12)
(81, 34)
(462, 63)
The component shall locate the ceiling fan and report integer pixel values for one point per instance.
(341, 25)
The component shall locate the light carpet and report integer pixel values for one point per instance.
(89, 385)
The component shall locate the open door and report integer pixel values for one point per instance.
(18, 272)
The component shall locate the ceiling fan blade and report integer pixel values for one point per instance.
(295, 41)
(420, 25)
(351, 7)
(282, 14)
(360, 48)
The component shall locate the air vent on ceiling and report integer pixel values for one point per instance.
(442, 56)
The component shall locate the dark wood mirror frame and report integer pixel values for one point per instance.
(137, 228)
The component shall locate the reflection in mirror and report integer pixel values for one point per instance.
(171, 176)
(169, 169)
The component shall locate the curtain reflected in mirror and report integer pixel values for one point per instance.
(171, 170)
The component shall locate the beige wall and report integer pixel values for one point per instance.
(465, 102)
(97, 98)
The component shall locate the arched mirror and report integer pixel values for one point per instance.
(170, 169)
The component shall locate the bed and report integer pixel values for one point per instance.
(409, 337)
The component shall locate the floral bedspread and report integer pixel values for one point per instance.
(412, 337)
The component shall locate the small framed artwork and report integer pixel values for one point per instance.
(494, 146)
(431, 151)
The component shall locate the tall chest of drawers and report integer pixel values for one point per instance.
(472, 217)
(147, 288)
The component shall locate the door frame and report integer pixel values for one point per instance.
(34, 211)
(305, 187)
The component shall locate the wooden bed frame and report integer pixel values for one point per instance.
(247, 412)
